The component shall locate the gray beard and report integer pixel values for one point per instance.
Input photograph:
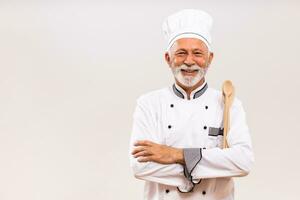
(189, 81)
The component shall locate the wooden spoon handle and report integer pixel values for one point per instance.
(225, 122)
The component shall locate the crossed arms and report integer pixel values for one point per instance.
(153, 161)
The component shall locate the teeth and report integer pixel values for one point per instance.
(190, 71)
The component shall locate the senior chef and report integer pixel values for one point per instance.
(176, 141)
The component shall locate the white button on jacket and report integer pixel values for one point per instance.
(163, 117)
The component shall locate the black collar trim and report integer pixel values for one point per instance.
(196, 94)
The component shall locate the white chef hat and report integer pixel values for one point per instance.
(188, 23)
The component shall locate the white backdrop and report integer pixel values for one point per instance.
(70, 72)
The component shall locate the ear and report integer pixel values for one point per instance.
(210, 58)
(168, 58)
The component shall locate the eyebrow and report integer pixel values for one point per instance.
(198, 50)
(180, 50)
(187, 50)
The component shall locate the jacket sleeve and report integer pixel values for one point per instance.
(233, 161)
(144, 128)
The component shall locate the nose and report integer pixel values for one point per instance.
(189, 61)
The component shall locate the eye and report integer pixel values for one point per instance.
(198, 53)
(181, 53)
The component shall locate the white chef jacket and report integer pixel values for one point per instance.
(167, 117)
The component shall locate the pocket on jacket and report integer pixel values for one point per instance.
(215, 137)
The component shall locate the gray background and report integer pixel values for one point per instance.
(70, 72)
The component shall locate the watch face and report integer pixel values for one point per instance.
(186, 188)
(189, 187)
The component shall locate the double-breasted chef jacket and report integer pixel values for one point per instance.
(168, 117)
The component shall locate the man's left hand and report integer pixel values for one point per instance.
(149, 151)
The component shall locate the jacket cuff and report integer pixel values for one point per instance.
(192, 157)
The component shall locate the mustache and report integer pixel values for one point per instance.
(186, 67)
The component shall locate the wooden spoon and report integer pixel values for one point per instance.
(228, 97)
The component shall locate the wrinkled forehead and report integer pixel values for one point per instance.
(189, 44)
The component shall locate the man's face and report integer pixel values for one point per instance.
(189, 59)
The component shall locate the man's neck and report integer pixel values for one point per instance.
(189, 90)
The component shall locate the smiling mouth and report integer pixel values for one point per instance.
(189, 72)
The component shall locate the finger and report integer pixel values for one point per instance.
(141, 154)
(138, 149)
(145, 159)
(143, 143)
